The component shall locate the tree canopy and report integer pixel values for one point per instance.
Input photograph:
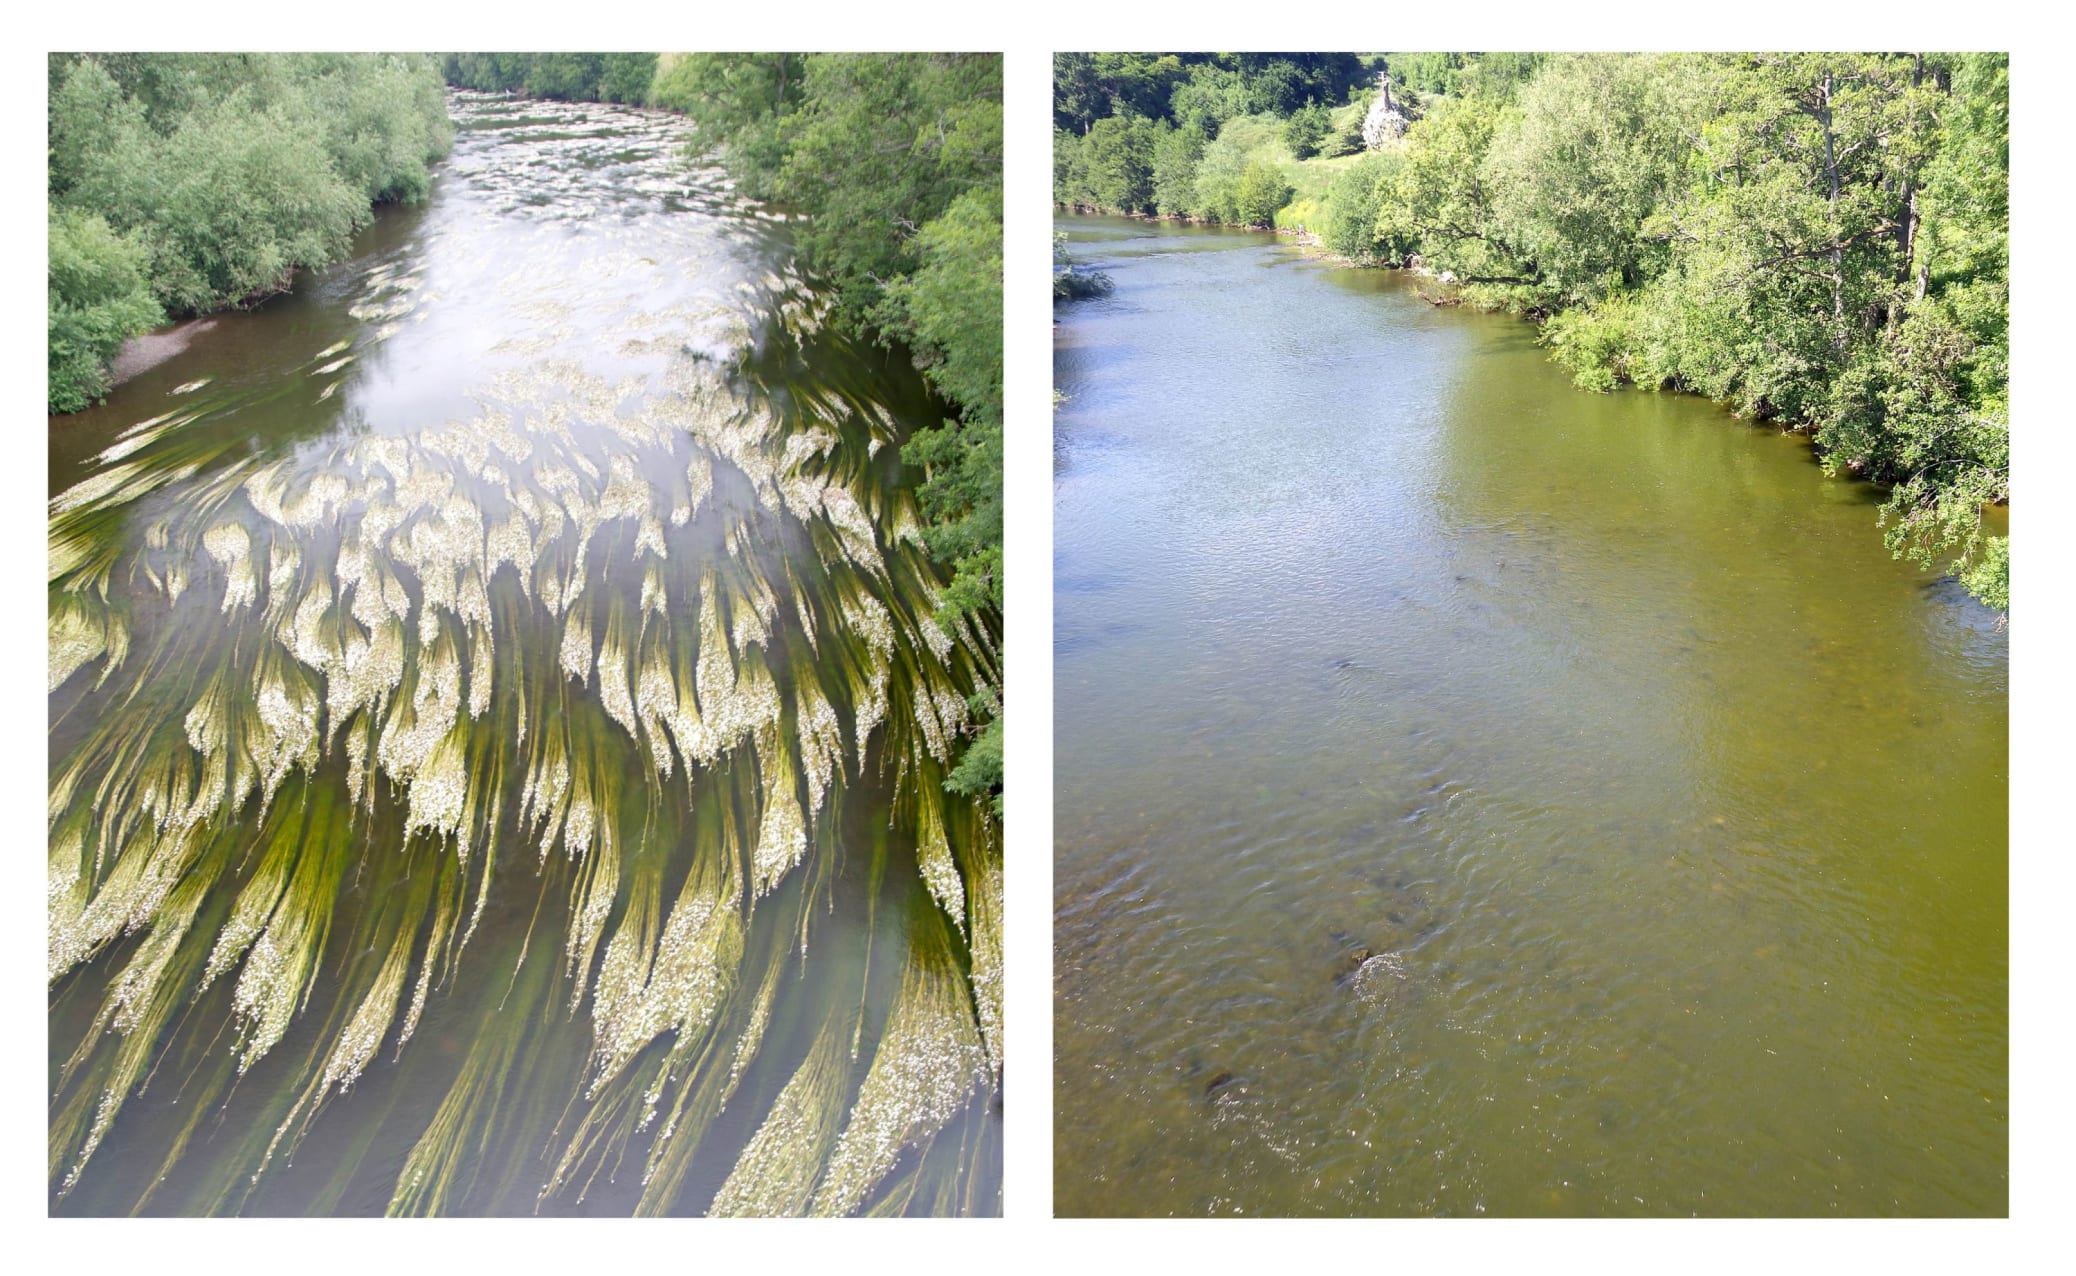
(566, 77)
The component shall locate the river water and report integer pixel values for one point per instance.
(1475, 796)
(498, 727)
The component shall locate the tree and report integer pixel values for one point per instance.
(625, 77)
(1305, 130)
(1786, 249)
(950, 310)
(1117, 155)
(1208, 98)
(1078, 97)
(1440, 200)
(1595, 143)
(1175, 155)
(99, 296)
(1140, 84)
(884, 143)
(1070, 181)
(238, 202)
(739, 101)
(1245, 140)
(1262, 191)
(1351, 210)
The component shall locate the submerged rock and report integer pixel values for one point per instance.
(1376, 976)
(1351, 963)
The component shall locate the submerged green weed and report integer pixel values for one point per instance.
(577, 706)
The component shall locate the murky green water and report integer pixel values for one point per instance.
(498, 730)
(1476, 796)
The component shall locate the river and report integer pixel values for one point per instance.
(498, 726)
(1476, 796)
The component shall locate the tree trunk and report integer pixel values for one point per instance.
(1824, 117)
(1907, 224)
(1906, 247)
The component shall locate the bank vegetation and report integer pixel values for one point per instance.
(1819, 240)
(183, 183)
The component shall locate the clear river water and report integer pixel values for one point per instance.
(1476, 796)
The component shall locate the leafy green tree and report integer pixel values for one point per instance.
(1439, 199)
(1262, 191)
(1306, 129)
(1242, 141)
(1280, 83)
(1176, 152)
(1070, 181)
(950, 310)
(1591, 151)
(1910, 412)
(1345, 138)
(739, 102)
(979, 771)
(1218, 174)
(1199, 91)
(1208, 98)
(99, 296)
(1117, 154)
(1140, 84)
(98, 135)
(385, 120)
(1497, 75)
(625, 77)
(572, 77)
(1956, 223)
(238, 202)
(884, 143)
(1351, 210)
(897, 161)
(1427, 73)
(1079, 98)
(1787, 254)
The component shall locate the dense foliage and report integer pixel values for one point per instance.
(566, 77)
(180, 183)
(1179, 134)
(100, 293)
(897, 160)
(1816, 239)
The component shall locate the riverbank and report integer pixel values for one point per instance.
(1984, 571)
(1674, 220)
(147, 350)
(188, 184)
